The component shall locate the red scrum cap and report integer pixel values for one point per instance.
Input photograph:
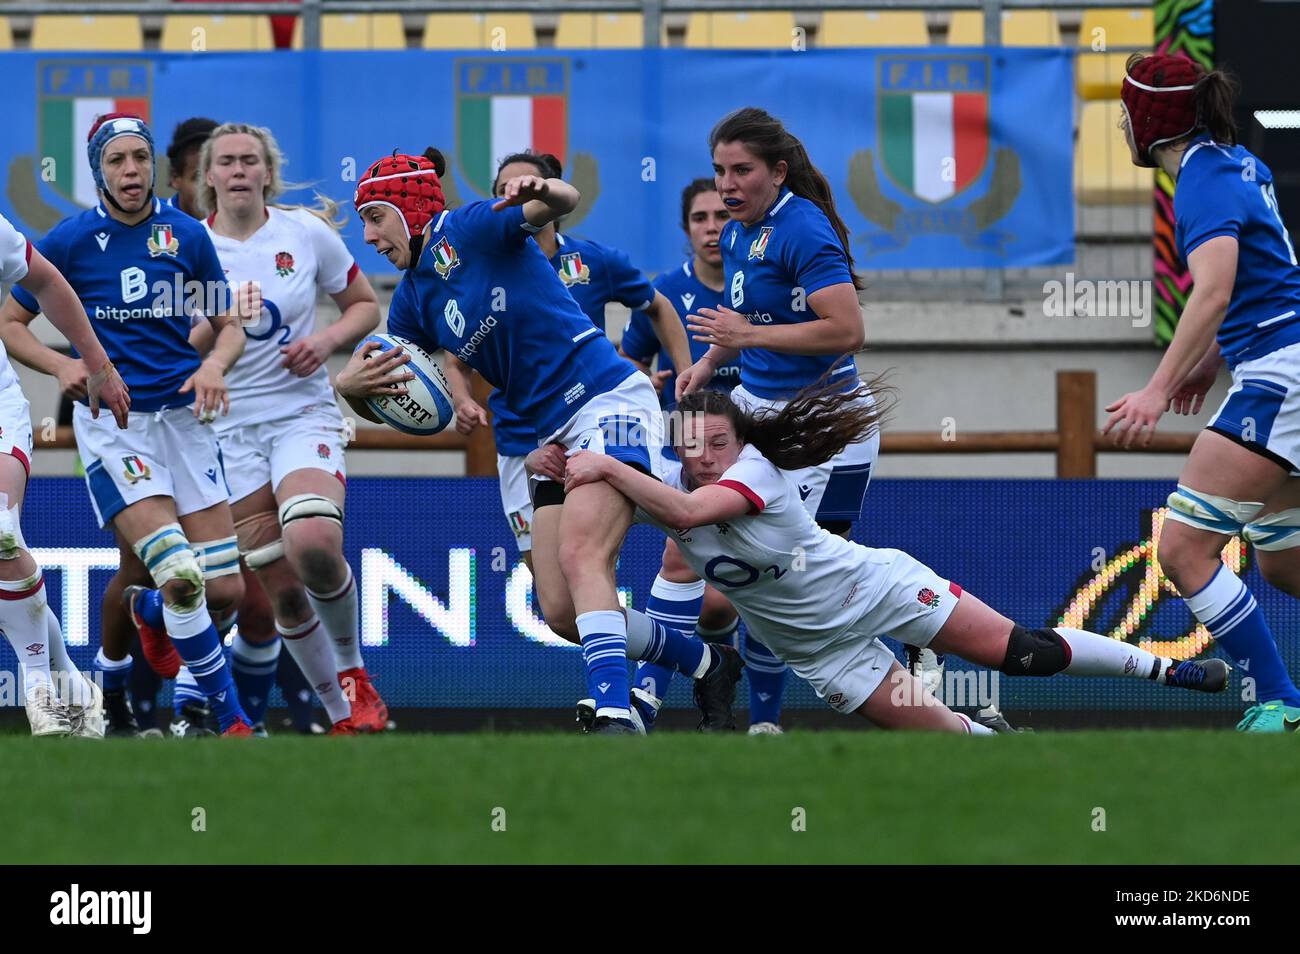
(1159, 99)
(408, 185)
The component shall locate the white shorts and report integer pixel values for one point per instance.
(16, 425)
(626, 423)
(160, 454)
(265, 451)
(1262, 409)
(837, 489)
(514, 500)
(911, 605)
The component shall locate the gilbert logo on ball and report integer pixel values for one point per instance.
(426, 407)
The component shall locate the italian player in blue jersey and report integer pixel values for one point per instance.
(678, 597)
(141, 268)
(595, 275)
(1244, 310)
(791, 315)
(476, 285)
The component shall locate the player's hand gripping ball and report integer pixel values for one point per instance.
(426, 407)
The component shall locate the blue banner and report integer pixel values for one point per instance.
(448, 619)
(958, 158)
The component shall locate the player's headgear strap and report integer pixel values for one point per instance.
(112, 126)
(1159, 97)
(408, 185)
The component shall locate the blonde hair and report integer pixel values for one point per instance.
(326, 209)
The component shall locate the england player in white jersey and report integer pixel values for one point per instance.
(59, 699)
(284, 438)
(142, 269)
(819, 601)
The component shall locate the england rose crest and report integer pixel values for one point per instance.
(928, 597)
(323, 451)
(283, 264)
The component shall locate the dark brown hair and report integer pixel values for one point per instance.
(697, 187)
(766, 137)
(547, 166)
(439, 161)
(814, 426)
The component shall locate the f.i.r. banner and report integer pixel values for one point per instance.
(959, 158)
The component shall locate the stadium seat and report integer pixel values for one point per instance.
(6, 37)
(853, 28)
(357, 31)
(72, 32)
(219, 33)
(473, 31)
(599, 31)
(1099, 74)
(1019, 28)
(1104, 173)
(740, 30)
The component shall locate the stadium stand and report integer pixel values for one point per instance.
(473, 31)
(740, 30)
(871, 28)
(71, 32)
(357, 31)
(230, 33)
(1099, 73)
(601, 31)
(1019, 28)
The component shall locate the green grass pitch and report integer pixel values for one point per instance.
(1184, 797)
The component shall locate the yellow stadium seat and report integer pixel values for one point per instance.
(73, 32)
(852, 28)
(475, 31)
(740, 30)
(599, 31)
(6, 37)
(357, 31)
(1104, 173)
(219, 33)
(1019, 28)
(1101, 73)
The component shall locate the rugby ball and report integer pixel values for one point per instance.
(426, 407)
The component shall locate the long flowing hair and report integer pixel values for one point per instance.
(326, 209)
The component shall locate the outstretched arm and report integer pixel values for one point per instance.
(668, 505)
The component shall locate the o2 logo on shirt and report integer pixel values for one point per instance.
(135, 285)
(737, 289)
(267, 324)
(738, 572)
(455, 320)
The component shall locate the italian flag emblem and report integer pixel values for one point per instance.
(572, 271)
(162, 241)
(444, 257)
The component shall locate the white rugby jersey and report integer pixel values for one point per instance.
(796, 585)
(15, 253)
(291, 256)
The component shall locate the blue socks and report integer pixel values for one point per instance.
(150, 607)
(199, 646)
(115, 671)
(185, 689)
(603, 634)
(677, 607)
(766, 681)
(254, 667)
(1229, 611)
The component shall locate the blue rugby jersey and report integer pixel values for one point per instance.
(138, 284)
(1225, 190)
(770, 267)
(483, 290)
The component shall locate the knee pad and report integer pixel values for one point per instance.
(302, 506)
(1208, 512)
(1035, 652)
(1274, 531)
(259, 539)
(168, 556)
(218, 557)
(12, 543)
